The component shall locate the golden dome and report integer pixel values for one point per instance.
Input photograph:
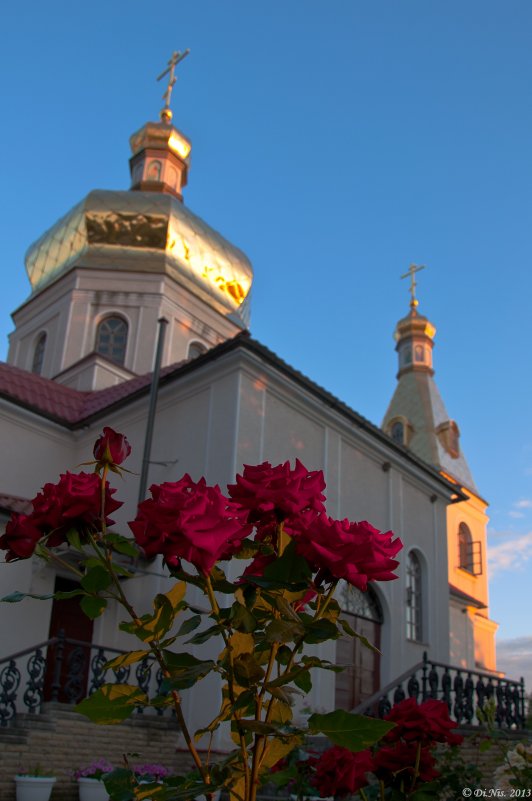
(145, 231)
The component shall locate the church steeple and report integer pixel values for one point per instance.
(416, 416)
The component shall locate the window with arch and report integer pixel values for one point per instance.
(414, 598)
(196, 349)
(397, 432)
(111, 339)
(469, 551)
(38, 355)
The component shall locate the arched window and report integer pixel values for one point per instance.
(38, 355)
(196, 349)
(420, 355)
(465, 548)
(111, 339)
(398, 432)
(414, 627)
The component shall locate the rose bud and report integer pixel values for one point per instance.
(111, 448)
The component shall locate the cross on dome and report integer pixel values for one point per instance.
(177, 56)
(412, 270)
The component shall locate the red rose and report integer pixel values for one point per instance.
(356, 552)
(111, 448)
(341, 772)
(399, 761)
(425, 723)
(272, 495)
(188, 520)
(20, 537)
(74, 502)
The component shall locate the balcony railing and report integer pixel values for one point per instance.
(67, 670)
(465, 692)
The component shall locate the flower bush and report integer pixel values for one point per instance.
(96, 770)
(294, 555)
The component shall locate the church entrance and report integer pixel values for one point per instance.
(362, 676)
(68, 617)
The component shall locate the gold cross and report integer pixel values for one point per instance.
(166, 114)
(412, 270)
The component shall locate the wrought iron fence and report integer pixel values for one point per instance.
(63, 669)
(465, 692)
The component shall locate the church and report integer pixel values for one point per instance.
(131, 284)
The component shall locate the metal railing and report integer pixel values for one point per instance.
(465, 691)
(67, 670)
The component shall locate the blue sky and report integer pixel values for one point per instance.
(334, 142)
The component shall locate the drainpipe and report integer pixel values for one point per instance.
(163, 322)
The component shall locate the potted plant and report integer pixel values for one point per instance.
(90, 780)
(35, 784)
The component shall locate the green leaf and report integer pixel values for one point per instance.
(16, 596)
(112, 703)
(203, 636)
(364, 640)
(185, 671)
(61, 596)
(284, 631)
(429, 791)
(244, 700)
(289, 569)
(485, 745)
(96, 579)
(124, 545)
(354, 732)
(73, 539)
(155, 626)
(189, 625)
(93, 606)
(285, 694)
(126, 659)
(247, 670)
(220, 582)
(257, 726)
(119, 784)
(248, 549)
(286, 609)
(242, 619)
(303, 681)
(320, 631)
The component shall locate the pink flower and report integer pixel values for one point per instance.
(356, 552)
(188, 520)
(111, 448)
(341, 772)
(425, 723)
(271, 495)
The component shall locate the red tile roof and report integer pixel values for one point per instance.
(64, 404)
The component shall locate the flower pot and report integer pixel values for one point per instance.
(34, 788)
(92, 790)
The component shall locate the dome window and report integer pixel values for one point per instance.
(111, 339)
(400, 430)
(196, 349)
(448, 434)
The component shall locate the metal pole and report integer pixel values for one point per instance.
(163, 322)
